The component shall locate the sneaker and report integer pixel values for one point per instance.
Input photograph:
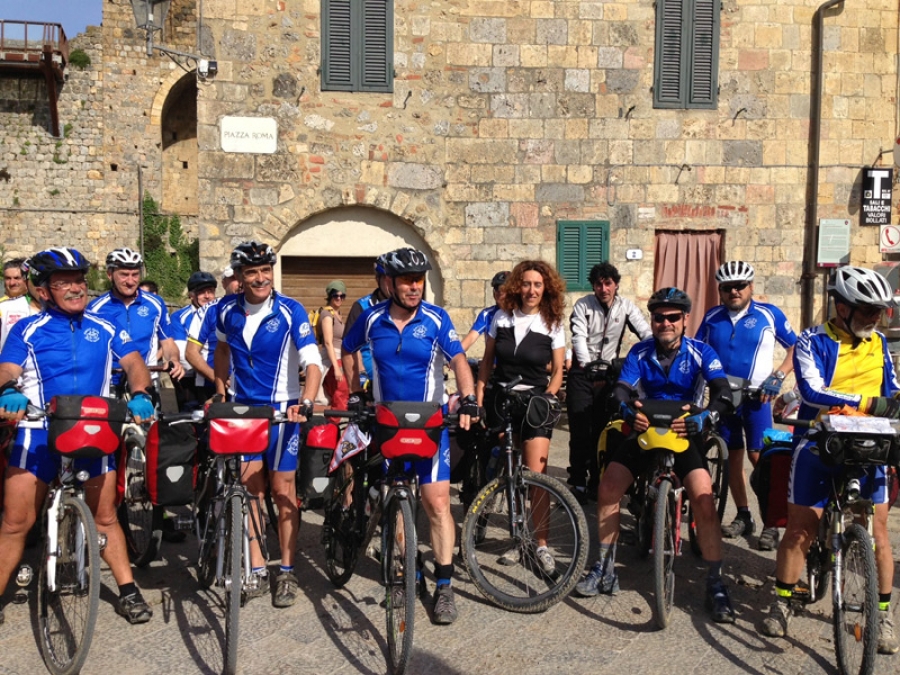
(719, 604)
(286, 590)
(596, 583)
(887, 641)
(256, 587)
(134, 608)
(740, 527)
(768, 539)
(545, 561)
(779, 618)
(444, 605)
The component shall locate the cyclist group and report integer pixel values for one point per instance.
(250, 346)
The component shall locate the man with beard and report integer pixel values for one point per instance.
(267, 339)
(843, 362)
(65, 350)
(744, 332)
(668, 366)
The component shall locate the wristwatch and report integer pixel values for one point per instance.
(779, 374)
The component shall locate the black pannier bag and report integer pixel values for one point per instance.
(171, 453)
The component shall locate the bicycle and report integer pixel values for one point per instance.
(406, 432)
(81, 427)
(510, 515)
(844, 548)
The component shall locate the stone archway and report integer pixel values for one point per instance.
(175, 111)
(358, 232)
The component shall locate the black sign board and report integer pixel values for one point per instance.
(875, 205)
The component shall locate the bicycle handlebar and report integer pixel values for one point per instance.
(199, 417)
(368, 415)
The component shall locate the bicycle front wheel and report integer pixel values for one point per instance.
(855, 603)
(716, 455)
(339, 533)
(507, 569)
(398, 547)
(69, 589)
(234, 547)
(664, 550)
(141, 522)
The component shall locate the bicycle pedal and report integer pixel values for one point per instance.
(102, 540)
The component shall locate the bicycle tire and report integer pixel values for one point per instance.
(67, 615)
(664, 554)
(524, 587)
(339, 533)
(817, 570)
(399, 570)
(643, 521)
(206, 560)
(233, 574)
(141, 521)
(855, 603)
(715, 452)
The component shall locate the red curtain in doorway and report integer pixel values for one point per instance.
(689, 260)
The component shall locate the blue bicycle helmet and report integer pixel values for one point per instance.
(670, 297)
(42, 265)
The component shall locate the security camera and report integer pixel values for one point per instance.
(207, 69)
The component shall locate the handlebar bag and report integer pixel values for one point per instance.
(408, 430)
(86, 426)
(315, 456)
(171, 452)
(238, 428)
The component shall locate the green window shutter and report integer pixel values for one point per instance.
(668, 87)
(337, 62)
(377, 45)
(686, 62)
(579, 246)
(705, 54)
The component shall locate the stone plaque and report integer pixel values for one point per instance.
(254, 135)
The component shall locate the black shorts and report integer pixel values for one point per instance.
(525, 431)
(629, 454)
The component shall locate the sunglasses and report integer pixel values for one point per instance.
(733, 287)
(340, 296)
(671, 318)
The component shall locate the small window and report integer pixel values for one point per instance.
(358, 45)
(579, 246)
(686, 68)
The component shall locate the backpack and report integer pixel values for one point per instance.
(315, 322)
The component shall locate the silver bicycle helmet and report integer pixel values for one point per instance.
(734, 270)
(860, 286)
(124, 259)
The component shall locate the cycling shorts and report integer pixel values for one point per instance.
(30, 452)
(284, 444)
(629, 454)
(436, 469)
(745, 427)
(525, 431)
(811, 481)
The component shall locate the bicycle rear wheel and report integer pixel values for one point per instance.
(505, 569)
(716, 453)
(69, 589)
(664, 550)
(855, 603)
(234, 547)
(141, 522)
(339, 533)
(398, 546)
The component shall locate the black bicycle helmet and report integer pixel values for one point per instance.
(380, 263)
(499, 279)
(199, 280)
(252, 253)
(670, 297)
(405, 261)
(124, 259)
(62, 259)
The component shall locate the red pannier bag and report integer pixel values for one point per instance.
(769, 479)
(238, 428)
(86, 426)
(171, 452)
(408, 431)
(315, 456)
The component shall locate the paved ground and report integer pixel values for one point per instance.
(332, 632)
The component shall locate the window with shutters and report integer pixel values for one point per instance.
(357, 45)
(687, 54)
(579, 246)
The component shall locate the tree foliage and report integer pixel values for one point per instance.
(169, 256)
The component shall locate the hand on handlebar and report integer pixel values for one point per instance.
(634, 417)
(175, 370)
(300, 412)
(770, 388)
(141, 407)
(13, 404)
(693, 424)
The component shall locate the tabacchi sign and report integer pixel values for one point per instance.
(256, 135)
(875, 204)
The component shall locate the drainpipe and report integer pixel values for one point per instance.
(810, 239)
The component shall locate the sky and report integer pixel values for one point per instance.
(74, 15)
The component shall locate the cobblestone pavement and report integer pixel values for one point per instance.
(342, 631)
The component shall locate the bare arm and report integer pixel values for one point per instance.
(222, 365)
(556, 371)
(328, 340)
(470, 340)
(787, 365)
(136, 372)
(171, 355)
(193, 356)
(484, 371)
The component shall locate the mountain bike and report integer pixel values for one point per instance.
(511, 515)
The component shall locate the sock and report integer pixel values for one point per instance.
(607, 558)
(127, 589)
(259, 571)
(443, 574)
(783, 590)
(884, 601)
(743, 513)
(287, 568)
(714, 573)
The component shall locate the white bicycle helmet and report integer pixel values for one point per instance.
(734, 270)
(124, 259)
(860, 286)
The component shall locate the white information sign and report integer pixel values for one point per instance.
(890, 239)
(834, 242)
(255, 135)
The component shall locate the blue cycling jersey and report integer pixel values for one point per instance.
(187, 322)
(695, 364)
(266, 371)
(61, 354)
(484, 319)
(407, 365)
(746, 341)
(145, 319)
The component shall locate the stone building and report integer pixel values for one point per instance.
(487, 132)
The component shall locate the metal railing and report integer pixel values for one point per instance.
(30, 37)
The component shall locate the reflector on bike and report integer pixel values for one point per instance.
(239, 429)
(86, 426)
(408, 430)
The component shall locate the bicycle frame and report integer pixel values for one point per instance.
(52, 509)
